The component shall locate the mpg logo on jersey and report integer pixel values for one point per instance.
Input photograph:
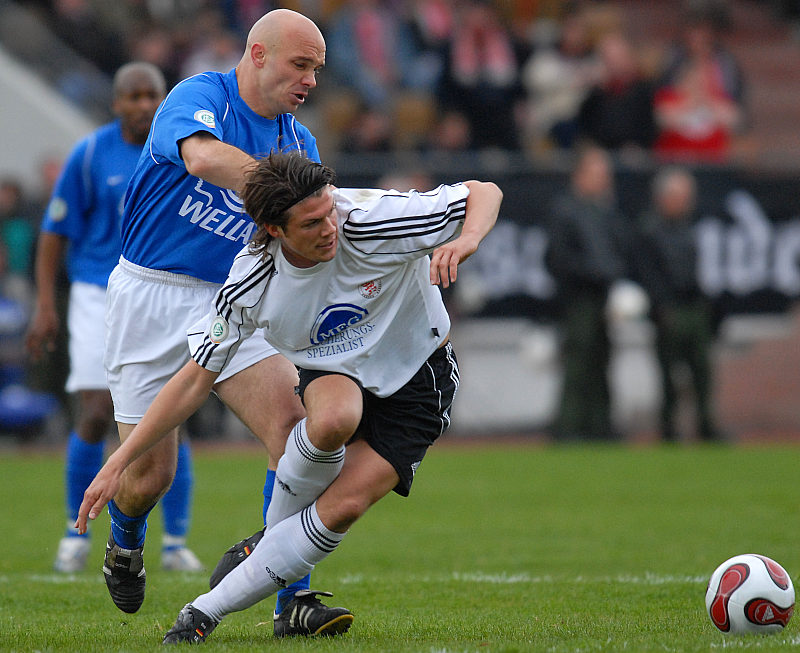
(206, 117)
(334, 320)
(218, 330)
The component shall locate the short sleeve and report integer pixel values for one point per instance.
(196, 104)
(232, 316)
(402, 225)
(70, 201)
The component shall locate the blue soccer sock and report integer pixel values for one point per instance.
(83, 461)
(128, 532)
(287, 594)
(176, 505)
(268, 485)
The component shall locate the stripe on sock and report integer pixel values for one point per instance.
(314, 534)
(310, 452)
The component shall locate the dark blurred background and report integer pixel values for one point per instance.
(420, 92)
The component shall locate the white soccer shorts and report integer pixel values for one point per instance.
(148, 313)
(87, 329)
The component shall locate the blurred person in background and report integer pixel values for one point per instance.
(15, 306)
(219, 51)
(451, 132)
(82, 221)
(372, 52)
(17, 226)
(617, 114)
(700, 43)
(431, 22)
(79, 24)
(370, 130)
(683, 317)
(156, 44)
(49, 373)
(23, 410)
(214, 46)
(481, 79)
(699, 104)
(557, 78)
(588, 252)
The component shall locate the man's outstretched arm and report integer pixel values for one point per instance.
(483, 206)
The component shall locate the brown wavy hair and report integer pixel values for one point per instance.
(275, 185)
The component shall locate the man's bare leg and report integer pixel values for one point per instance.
(142, 484)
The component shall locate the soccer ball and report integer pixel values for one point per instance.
(750, 593)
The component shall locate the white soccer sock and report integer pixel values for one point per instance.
(303, 474)
(289, 551)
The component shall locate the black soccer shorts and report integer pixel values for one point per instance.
(402, 426)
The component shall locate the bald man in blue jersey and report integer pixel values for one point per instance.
(183, 224)
(82, 222)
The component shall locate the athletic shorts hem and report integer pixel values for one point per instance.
(148, 314)
(401, 428)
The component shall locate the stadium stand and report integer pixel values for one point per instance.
(762, 40)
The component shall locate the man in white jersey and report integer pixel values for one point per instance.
(183, 224)
(341, 282)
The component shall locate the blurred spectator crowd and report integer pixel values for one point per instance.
(533, 76)
(527, 75)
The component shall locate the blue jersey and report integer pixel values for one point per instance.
(86, 206)
(183, 224)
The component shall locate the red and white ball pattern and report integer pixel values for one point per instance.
(750, 593)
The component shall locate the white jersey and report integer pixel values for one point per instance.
(370, 313)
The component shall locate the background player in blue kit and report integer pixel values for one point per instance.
(341, 282)
(183, 224)
(83, 220)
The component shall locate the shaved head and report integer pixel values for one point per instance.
(138, 89)
(135, 74)
(273, 27)
(284, 52)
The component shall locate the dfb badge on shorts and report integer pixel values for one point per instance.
(219, 330)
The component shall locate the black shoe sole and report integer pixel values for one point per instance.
(336, 626)
(128, 593)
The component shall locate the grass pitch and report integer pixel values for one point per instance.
(499, 549)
